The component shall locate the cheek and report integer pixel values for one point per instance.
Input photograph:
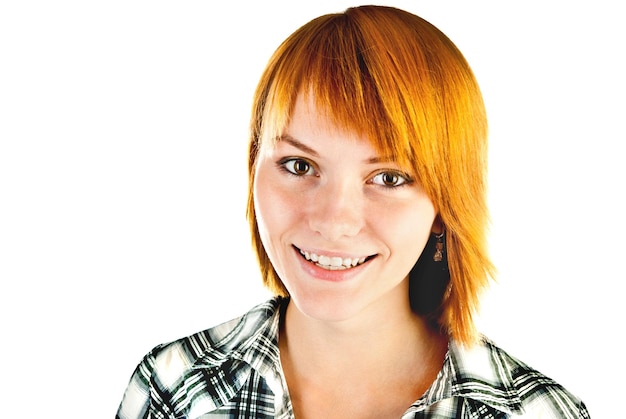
(263, 207)
(408, 227)
(273, 206)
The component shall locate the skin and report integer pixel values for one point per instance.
(349, 336)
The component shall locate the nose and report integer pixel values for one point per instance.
(336, 211)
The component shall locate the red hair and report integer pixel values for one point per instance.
(396, 79)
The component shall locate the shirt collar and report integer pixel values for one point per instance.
(479, 372)
(251, 343)
(252, 338)
(236, 348)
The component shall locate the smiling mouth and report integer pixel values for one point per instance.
(333, 263)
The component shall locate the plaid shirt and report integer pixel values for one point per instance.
(233, 371)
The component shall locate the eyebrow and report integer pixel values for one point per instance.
(299, 145)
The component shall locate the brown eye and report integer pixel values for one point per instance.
(298, 167)
(389, 179)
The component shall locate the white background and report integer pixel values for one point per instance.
(123, 129)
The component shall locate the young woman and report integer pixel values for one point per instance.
(368, 214)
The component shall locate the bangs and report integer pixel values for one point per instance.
(363, 78)
(401, 84)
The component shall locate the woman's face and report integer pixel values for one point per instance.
(342, 225)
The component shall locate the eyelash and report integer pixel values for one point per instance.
(287, 164)
(403, 177)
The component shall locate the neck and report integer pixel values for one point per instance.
(379, 338)
(384, 359)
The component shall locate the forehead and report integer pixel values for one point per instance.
(313, 131)
(314, 112)
(308, 116)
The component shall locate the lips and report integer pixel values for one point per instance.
(333, 263)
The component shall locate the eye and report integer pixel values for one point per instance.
(390, 179)
(298, 167)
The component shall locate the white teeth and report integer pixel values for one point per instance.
(336, 261)
(332, 262)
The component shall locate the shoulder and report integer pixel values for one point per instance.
(490, 375)
(212, 346)
(218, 355)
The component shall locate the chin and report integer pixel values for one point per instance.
(328, 307)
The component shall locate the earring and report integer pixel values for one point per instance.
(438, 256)
(429, 278)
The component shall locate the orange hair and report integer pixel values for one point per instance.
(396, 79)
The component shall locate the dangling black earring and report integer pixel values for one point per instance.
(439, 247)
(430, 276)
